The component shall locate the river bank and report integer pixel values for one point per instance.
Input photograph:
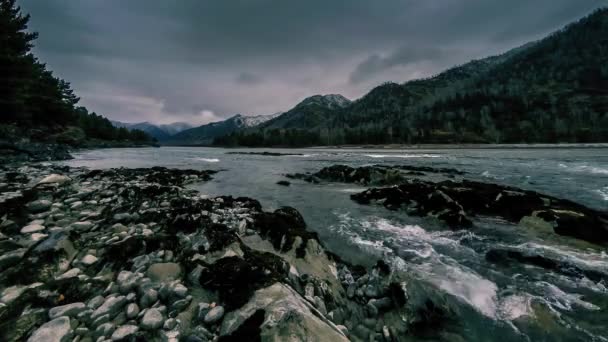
(130, 254)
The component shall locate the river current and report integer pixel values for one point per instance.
(490, 303)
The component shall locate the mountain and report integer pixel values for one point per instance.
(310, 113)
(160, 132)
(205, 134)
(552, 90)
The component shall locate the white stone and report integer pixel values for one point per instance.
(89, 260)
(57, 330)
(124, 332)
(70, 310)
(132, 310)
(153, 319)
(111, 306)
(32, 228)
(214, 315)
(38, 236)
(54, 179)
(74, 272)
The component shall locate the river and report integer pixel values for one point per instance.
(517, 303)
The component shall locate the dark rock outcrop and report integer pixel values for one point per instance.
(454, 202)
(372, 175)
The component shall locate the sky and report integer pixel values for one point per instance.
(200, 61)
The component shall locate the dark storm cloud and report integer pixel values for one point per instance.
(196, 60)
(402, 57)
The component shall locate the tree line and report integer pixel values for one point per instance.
(551, 91)
(33, 98)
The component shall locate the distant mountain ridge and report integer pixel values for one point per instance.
(548, 91)
(205, 134)
(160, 132)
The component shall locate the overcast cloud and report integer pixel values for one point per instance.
(204, 60)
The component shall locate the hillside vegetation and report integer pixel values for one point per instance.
(35, 105)
(550, 91)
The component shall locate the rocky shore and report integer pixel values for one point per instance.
(134, 255)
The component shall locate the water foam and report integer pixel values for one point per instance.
(208, 160)
(515, 306)
(585, 168)
(560, 299)
(440, 270)
(403, 155)
(603, 192)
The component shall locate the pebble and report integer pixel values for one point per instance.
(153, 319)
(170, 324)
(69, 310)
(111, 306)
(214, 314)
(164, 272)
(57, 330)
(82, 225)
(54, 179)
(32, 228)
(124, 331)
(38, 236)
(89, 260)
(95, 302)
(105, 330)
(150, 297)
(132, 310)
(39, 206)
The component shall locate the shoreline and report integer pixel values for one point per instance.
(134, 254)
(414, 147)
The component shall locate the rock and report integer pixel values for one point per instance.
(214, 315)
(164, 272)
(150, 297)
(57, 330)
(179, 290)
(153, 319)
(39, 206)
(11, 258)
(72, 273)
(32, 228)
(105, 330)
(284, 183)
(82, 225)
(289, 318)
(89, 260)
(170, 324)
(38, 236)
(70, 310)
(124, 331)
(203, 308)
(170, 336)
(111, 306)
(236, 279)
(127, 280)
(132, 310)
(95, 302)
(54, 179)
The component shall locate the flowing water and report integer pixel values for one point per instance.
(492, 303)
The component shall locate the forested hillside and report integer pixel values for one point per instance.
(35, 105)
(553, 90)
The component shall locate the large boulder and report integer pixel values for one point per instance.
(278, 313)
(57, 330)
